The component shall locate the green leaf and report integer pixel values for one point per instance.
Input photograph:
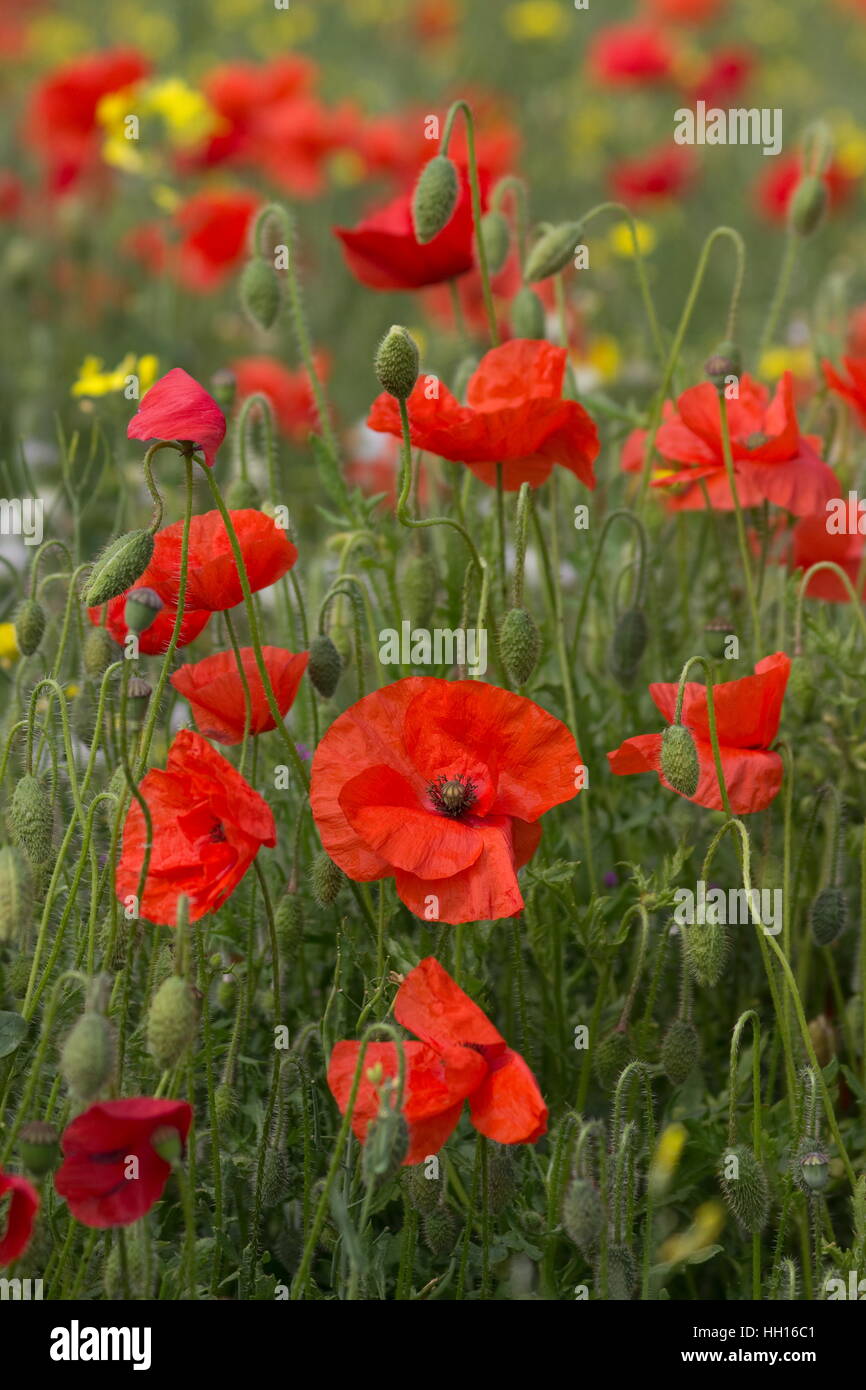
(12, 1030)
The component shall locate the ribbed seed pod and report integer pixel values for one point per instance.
(627, 645)
(327, 879)
(610, 1057)
(260, 292)
(679, 759)
(811, 1166)
(39, 1147)
(16, 896)
(583, 1214)
(707, 946)
(828, 915)
(439, 1228)
(172, 1022)
(745, 1188)
(88, 1056)
(31, 819)
(527, 314)
(324, 666)
(142, 608)
(681, 1048)
(118, 567)
(29, 622)
(434, 198)
(519, 645)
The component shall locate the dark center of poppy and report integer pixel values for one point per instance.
(757, 440)
(452, 795)
(217, 835)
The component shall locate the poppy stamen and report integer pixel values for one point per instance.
(451, 796)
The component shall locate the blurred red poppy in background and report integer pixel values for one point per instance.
(239, 93)
(461, 1056)
(665, 172)
(514, 416)
(20, 1216)
(213, 231)
(440, 785)
(631, 55)
(852, 389)
(747, 721)
(177, 407)
(216, 693)
(685, 11)
(288, 391)
(208, 826)
(775, 188)
(811, 542)
(98, 1179)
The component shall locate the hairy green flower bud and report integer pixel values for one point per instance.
(31, 819)
(172, 1022)
(242, 495)
(680, 759)
(439, 1227)
(324, 666)
(418, 586)
(99, 651)
(496, 240)
(627, 645)
(225, 1103)
(610, 1058)
(828, 915)
(527, 314)
(39, 1148)
(707, 945)
(118, 567)
(397, 362)
(745, 1188)
(16, 895)
(142, 608)
(680, 1050)
(621, 1273)
(519, 645)
(289, 925)
(260, 292)
(29, 622)
(422, 1193)
(327, 879)
(501, 1177)
(88, 1056)
(808, 205)
(583, 1214)
(434, 198)
(553, 251)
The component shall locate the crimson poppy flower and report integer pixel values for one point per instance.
(663, 173)
(852, 390)
(239, 93)
(61, 122)
(213, 231)
(630, 55)
(213, 583)
(111, 1174)
(20, 1217)
(722, 77)
(176, 407)
(217, 697)
(384, 255)
(289, 392)
(773, 462)
(515, 415)
(685, 11)
(811, 542)
(155, 639)
(747, 721)
(460, 1057)
(208, 826)
(440, 785)
(775, 187)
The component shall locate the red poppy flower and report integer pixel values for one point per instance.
(630, 55)
(776, 187)
(685, 11)
(747, 720)
(213, 583)
(515, 415)
(773, 462)
(722, 77)
(213, 237)
(288, 392)
(663, 173)
(111, 1174)
(811, 542)
(852, 390)
(20, 1217)
(240, 92)
(176, 407)
(461, 1056)
(217, 697)
(208, 826)
(440, 785)
(384, 255)
(155, 639)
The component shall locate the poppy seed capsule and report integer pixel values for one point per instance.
(29, 625)
(31, 819)
(679, 759)
(16, 896)
(811, 1166)
(327, 879)
(807, 206)
(527, 314)
(118, 567)
(260, 292)
(397, 362)
(38, 1147)
(324, 666)
(828, 915)
(434, 198)
(100, 650)
(726, 361)
(583, 1214)
(627, 645)
(519, 645)
(242, 495)
(680, 1050)
(142, 608)
(745, 1188)
(496, 239)
(172, 1022)
(87, 1059)
(553, 251)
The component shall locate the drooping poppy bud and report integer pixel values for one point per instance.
(327, 879)
(289, 925)
(707, 947)
(99, 651)
(418, 586)
(324, 666)
(527, 314)
(31, 819)
(679, 759)
(440, 1229)
(118, 567)
(611, 1056)
(434, 198)
(583, 1214)
(260, 292)
(553, 251)
(88, 1056)
(29, 625)
(519, 645)
(397, 362)
(828, 915)
(744, 1187)
(495, 238)
(627, 645)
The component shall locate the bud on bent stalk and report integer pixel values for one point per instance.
(31, 819)
(324, 666)
(327, 879)
(29, 625)
(553, 251)
(88, 1056)
(527, 314)
(496, 240)
(434, 198)
(397, 362)
(120, 565)
(172, 1022)
(260, 292)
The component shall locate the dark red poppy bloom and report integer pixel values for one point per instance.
(630, 55)
(775, 188)
(852, 389)
(811, 542)
(773, 462)
(208, 826)
(20, 1217)
(460, 1057)
(111, 1174)
(176, 407)
(747, 721)
(155, 639)
(515, 415)
(217, 697)
(384, 255)
(663, 173)
(213, 583)
(288, 391)
(440, 785)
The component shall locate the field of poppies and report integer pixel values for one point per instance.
(432, 644)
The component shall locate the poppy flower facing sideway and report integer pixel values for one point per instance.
(176, 407)
(852, 387)
(747, 721)
(811, 542)
(460, 1057)
(514, 415)
(630, 55)
(20, 1216)
(213, 581)
(208, 826)
(289, 392)
(217, 697)
(111, 1173)
(439, 785)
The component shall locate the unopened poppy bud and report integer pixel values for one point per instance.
(223, 386)
(138, 693)
(707, 951)
(100, 650)
(172, 1022)
(418, 586)
(327, 879)
(276, 1178)
(38, 1147)
(422, 1193)
(289, 925)
(242, 495)
(440, 1230)
(142, 609)
(225, 1103)
(501, 1177)
(583, 1214)
(118, 567)
(324, 666)
(496, 240)
(807, 205)
(29, 625)
(519, 645)
(260, 292)
(811, 1166)
(680, 1050)
(16, 895)
(828, 916)
(611, 1056)
(553, 251)
(87, 1059)
(527, 314)
(627, 645)
(167, 1143)
(621, 1273)
(725, 362)
(745, 1188)
(679, 759)
(31, 819)
(227, 993)
(397, 362)
(434, 198)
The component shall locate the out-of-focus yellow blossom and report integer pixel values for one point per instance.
(621, 242)
(600, 362)
(775, 361)
(165, 197)
(94, 380)
(666, 1158)
(536, 19)
(851, 149)
(55, 38)
(185, 114)
(707, 1224)
(346, 168)
(8, 646)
